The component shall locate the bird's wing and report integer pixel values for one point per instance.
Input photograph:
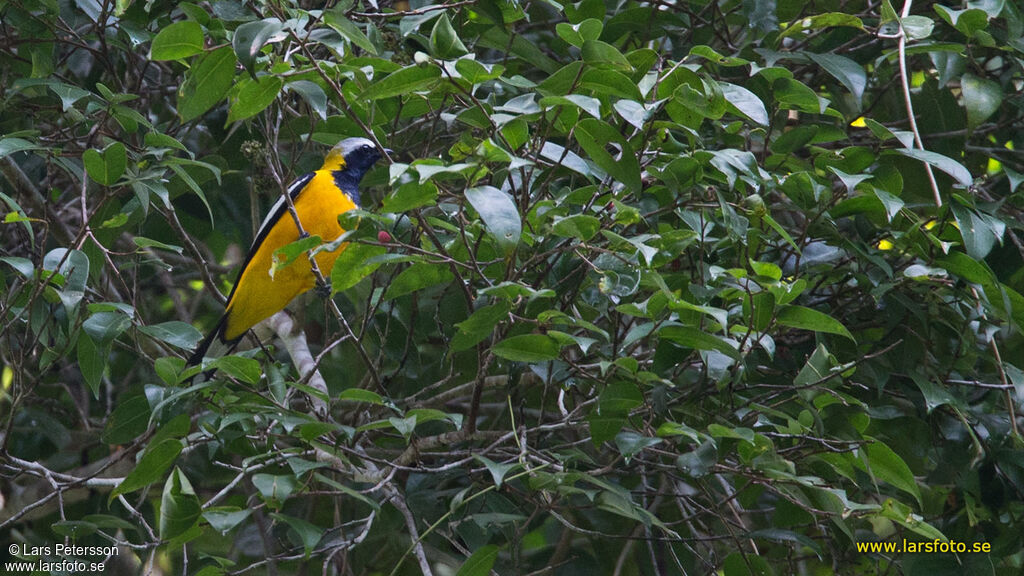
(276, 212)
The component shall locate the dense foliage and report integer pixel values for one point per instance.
(670, 287)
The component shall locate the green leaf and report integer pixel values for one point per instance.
(312, 93)
(224, 518)
(129, 419)
(179, 506)
(741, 101)
(882, 463)
(780, 535)
(335, 18)
(577, 34)
(74, 528)
(177, 41)
(613, 406)
(531, 348)
(633, 112)
(356, 261)
(250, 37)
(253, 96)
(935, 395)
(970, 269)
(91, 362)
(274, 488)
(580, 226)
(247, 370)
(698, 463)
(809, 319)
(405, 81)
(698, 340)
(286, 255)
(479, 325)
(846, 71)
(143, 242)
(175, 428)
(982, 98)
(610, 83)
(917, 27)
(206, 83)
(109, 521)
(762, 307)
(709, 54)
(602, 54)
(151, 467)
(498, 471)
(309, 534)
(444, 40)
(10, 146)
(819, 21)
(944, 163)
(175, 333)
(966, 21)
(499, 213)
(902, 514)
(630, 443)
(979, 231)
(361, 395)
(104, 327)
(738, 433)
(593, 136)
(404, 426)
(475, 72)
(480, 563)
(410, 195)
(107, 166)
(795, 95)
(417, 277)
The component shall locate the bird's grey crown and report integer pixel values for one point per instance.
(349, 145)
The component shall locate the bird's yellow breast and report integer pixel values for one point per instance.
(257, 295)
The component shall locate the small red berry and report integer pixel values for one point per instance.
(383, 237)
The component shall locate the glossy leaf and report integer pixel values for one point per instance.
(499, 213)
(154, 463)
(108, 165)
(810, 319)
(982, 98)
(251, 97)
(407, 80)
(250, 38)
(527, 348)
(593, 135)
(177, 41)
(206, 83)
(179, 506)
(480, 562)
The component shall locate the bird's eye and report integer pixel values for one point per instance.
(367, 147)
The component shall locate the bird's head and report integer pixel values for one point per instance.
(353, 155)
(349, 161)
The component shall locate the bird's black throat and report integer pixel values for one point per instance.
(347, 180)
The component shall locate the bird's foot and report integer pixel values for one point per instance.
(323, 289)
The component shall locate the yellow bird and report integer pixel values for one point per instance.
(319, 198)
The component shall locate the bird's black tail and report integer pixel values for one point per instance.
(214, 339)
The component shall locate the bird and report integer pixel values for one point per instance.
(319, 198)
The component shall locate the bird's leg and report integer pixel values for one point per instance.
(323, 289)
